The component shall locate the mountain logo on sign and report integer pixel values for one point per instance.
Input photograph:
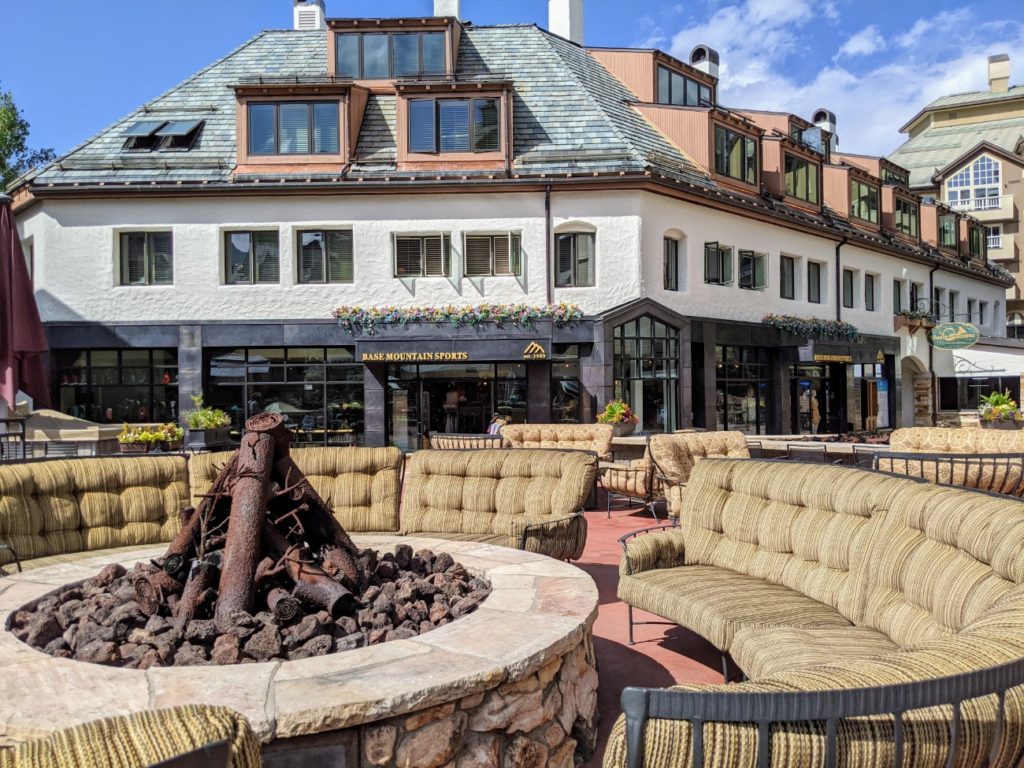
(534, 351)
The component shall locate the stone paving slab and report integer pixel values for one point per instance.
(539, 610)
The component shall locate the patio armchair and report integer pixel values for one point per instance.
(854, 602)
(186, 737)
(637, 481)
(674, 456)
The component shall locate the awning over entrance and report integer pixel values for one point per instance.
(980, 360)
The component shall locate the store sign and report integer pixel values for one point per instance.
(534, 351)
(414, 357)
(954, 336)
(820, 358)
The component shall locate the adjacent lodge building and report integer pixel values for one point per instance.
(204, 244)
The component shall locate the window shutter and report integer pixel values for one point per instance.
(405, 53)
(478, 255)
(311, 259)
(454, 122)
(564, 247)
(503, 258)
(712, 264)
(133, 258)
(265, 256)
(585, 259)
(486, 125)
(760, 270)
(725, 261)
(515, 255)
(421, 126)
(294, 128)
(407, 257)
(433, 53)
(340, 266)
(262, 118)
(160, 253)
(325, 129)
(239, 266)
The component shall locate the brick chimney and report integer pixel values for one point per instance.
(999, 73)
(565, 18)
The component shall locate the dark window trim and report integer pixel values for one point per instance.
(783, 261)
(667, 100)
(252, 257)
(515, 254)
(446, 255)
(671, 264)
(754, 257)
(746, 162)
(848, 278)
(814, 297)
(326, 271)
(391, 53)
(807, 197)
(906, 216)
(870, 298)
(574, 277)
(149, 270)
(470, 103)
(872, 212)
(310, 124)
(718, 270)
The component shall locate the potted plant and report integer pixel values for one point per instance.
(130, 439)
(207, 426)
(170, 436)
(1000, 411)
(620, 416)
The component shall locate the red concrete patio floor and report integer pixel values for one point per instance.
(663, 655)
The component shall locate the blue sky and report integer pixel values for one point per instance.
(75, 67)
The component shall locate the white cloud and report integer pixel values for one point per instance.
(869, 40)
(759, 39)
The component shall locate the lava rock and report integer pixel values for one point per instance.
(265, 644)
(201, 631)
(189, 655)
(98, 652)
(227, 649)
(109, 573)
(43, 630)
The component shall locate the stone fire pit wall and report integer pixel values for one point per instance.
(511, 684)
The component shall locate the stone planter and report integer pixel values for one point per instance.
(1007, 424)
(204, 439)
(133, 447)
(623, 428)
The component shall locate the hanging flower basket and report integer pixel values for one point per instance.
(812, 327)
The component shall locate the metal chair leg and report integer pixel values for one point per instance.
(725, 668)
(630, 611)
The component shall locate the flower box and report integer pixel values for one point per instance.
(205, 439)
(1005, 424)
(623, 428)
(133, 447)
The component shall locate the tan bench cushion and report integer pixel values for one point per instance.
(716, 603)
(60, 507)
(956, 440)
(767, 652)
(676, 453)
(361, 485)
(579, 437)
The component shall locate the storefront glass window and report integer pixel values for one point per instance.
(110, 386)
(318, 390)
(565, 383)
(964, 394)
(646, 370)
(742, 389)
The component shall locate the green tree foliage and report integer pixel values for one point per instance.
(15, 155)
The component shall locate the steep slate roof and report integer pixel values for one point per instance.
(936, 147)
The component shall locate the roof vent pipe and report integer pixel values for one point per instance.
(448, 8)
(826, 121)
(705, 59)
(309, 15)
(565, 18)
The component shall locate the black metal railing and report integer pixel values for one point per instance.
(827, 706)
(12, 440)
(1001, 473)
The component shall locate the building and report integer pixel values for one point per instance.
(966, 152)
(203, 242)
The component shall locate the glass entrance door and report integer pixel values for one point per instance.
(817, 399)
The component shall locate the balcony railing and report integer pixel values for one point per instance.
(994, 242)
(977, 203)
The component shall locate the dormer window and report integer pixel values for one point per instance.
(976, 242)
(294, 128)
(947, 230)
(389, 55)
(863, 201)
(163, 134)
(454, 125)
(679, 90)
(906, 217)
(899, 178)
(142, 135)
(735, 155)
(801, 179)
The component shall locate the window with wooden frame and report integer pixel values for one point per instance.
(976, 242)
(389, 55)
(787, 277)
(863, 201)
(889, 176)
(679, 90)
(294, 128)
(814, 282)
(671, 264)
(897, 296)
(325, 256)
(717, 264)
(947, 230)
(801, 178)
(869, 292)
(146, 258)
(487, 255)
(753, 270)
(423, 255)
(575, 256)
(440, 126)
(906, 217)
(735, 155)
(251, 257)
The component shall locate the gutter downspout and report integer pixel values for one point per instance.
(839, 279)
(549, 262)
(931, 349)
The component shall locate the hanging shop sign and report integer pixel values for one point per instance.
(954, 336)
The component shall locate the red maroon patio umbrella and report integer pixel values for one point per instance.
(22, 339)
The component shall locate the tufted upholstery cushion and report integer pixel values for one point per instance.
(635, 479)
(676, 453)
(361, 485)
(997, 473)
(60, 507)
(952, 440)
(490, 491)
(580, 437)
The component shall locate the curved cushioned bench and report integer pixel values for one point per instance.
(59, 511)
(818, 578)
(578, 437)
(953, 440)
